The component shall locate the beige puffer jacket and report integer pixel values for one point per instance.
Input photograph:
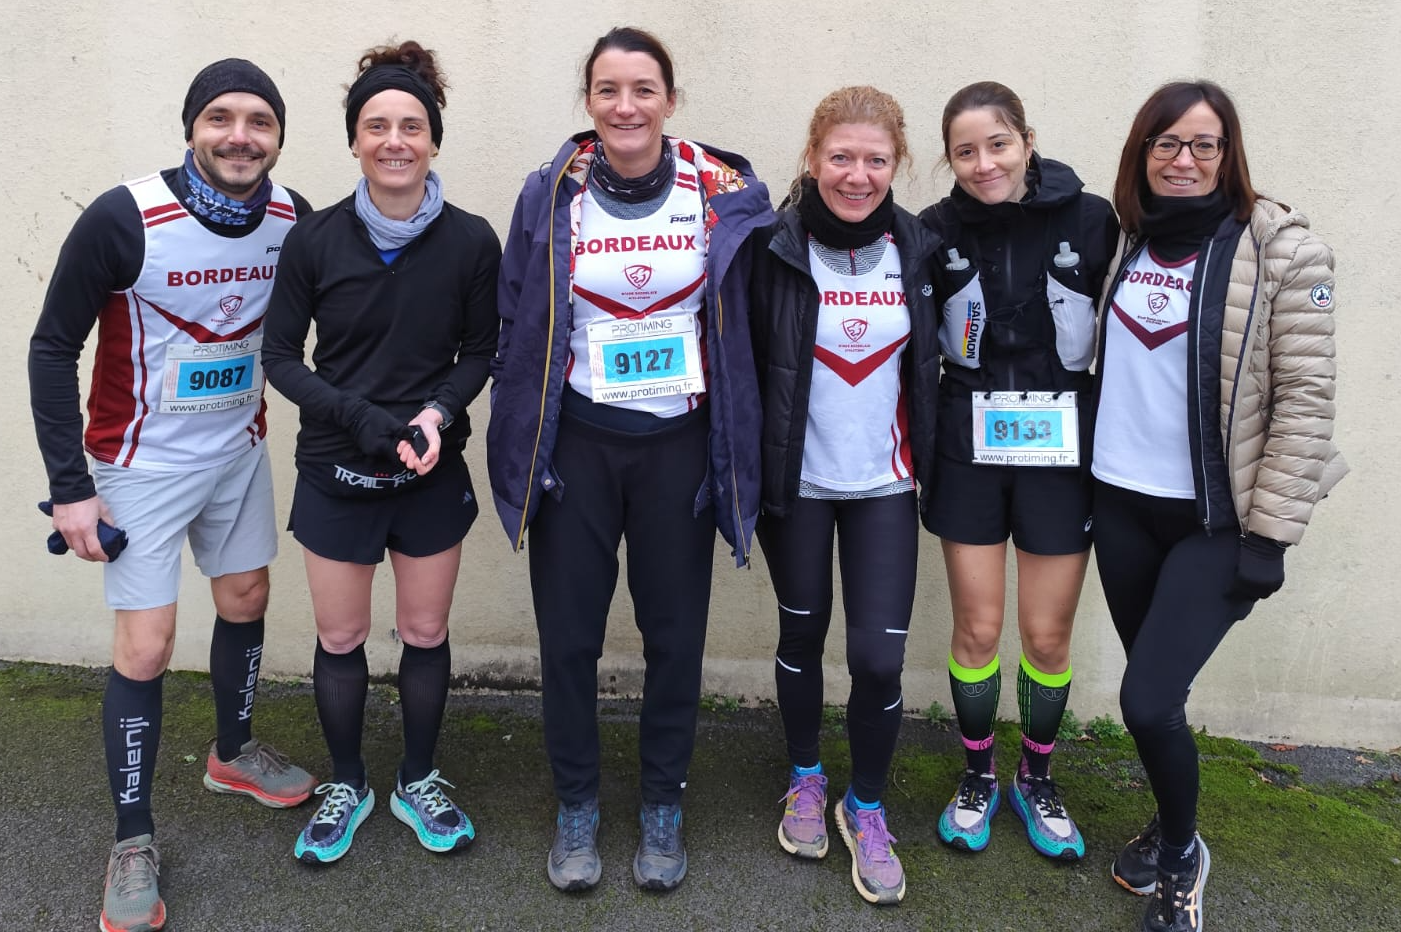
(1277, 374)
(1276, 370)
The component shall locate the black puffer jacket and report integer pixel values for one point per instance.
(1011, 248)
(783, 324)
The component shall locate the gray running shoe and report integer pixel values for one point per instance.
(260, 771)
(1136, 867)
(660, 863)
(131, 901)
(573, 863)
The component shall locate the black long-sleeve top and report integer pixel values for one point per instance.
(421, 328)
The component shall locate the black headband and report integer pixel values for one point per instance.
(391, 78)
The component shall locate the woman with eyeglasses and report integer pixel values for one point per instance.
(1213, 440)
(1026, 252)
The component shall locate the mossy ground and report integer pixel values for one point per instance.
(1286, 853)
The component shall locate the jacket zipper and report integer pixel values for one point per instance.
(549, 352)
(734, 477)
(1201, 424)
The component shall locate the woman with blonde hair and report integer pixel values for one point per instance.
(846, 343)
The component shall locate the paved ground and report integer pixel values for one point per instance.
(1288, 851)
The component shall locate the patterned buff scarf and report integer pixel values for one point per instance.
(395, 234)
(202, 200)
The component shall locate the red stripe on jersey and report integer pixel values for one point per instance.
(282, 205)
(151, 213)
(686, 185)
(901, 461)
(259, 428)
(1149, 338)
(201, 333)
(112, 406)
(283, 214)
(623, 312)
(144, 409)
(855, 373)
(167, 219)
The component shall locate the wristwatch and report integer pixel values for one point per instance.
(443, 412)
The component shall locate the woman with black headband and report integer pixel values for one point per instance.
(625, 406)
(402, 289)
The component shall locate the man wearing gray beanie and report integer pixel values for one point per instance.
(177, 267)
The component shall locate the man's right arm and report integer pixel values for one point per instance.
(102, 254)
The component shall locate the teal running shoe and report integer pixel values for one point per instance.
(1037, 802)
(435, 819)
(966, 823)
(328, 835)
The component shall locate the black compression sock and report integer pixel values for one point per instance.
(424, 673)
(235, 653)
(341, 682)
(131, 731)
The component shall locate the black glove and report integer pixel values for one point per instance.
(377, 432)
(113, 539)
(1259, 569)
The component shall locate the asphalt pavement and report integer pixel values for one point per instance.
(1281, 839)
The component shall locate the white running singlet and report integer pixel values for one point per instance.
(857, 421)
(1141, 427)
(645, 279)
(177, 383)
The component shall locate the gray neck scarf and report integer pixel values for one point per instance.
(396, 234)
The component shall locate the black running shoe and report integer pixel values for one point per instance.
(1176, 905)
(1136, 867)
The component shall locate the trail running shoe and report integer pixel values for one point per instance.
(435, 819)
(1136, 867)
(573, 863)
(261, 772)
(1037, 802)
(131, 901)
(328, 835)
(803, 830)
(875, 870)
(660, 863)
(1176, 905)
(967, 820)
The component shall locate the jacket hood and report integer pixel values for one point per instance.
(1052, 184)
(1269, 217)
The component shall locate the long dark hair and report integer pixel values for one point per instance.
(1162, 109)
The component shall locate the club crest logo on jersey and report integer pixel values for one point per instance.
(1157, 301)
(854, 328)
(228, 310)
(638, 275)
(1322, 294)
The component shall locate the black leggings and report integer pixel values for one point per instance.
(877, 546)
(1166, 581)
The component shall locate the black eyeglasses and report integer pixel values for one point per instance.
(1203, 148)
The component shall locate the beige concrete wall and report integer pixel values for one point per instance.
(93, 93)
